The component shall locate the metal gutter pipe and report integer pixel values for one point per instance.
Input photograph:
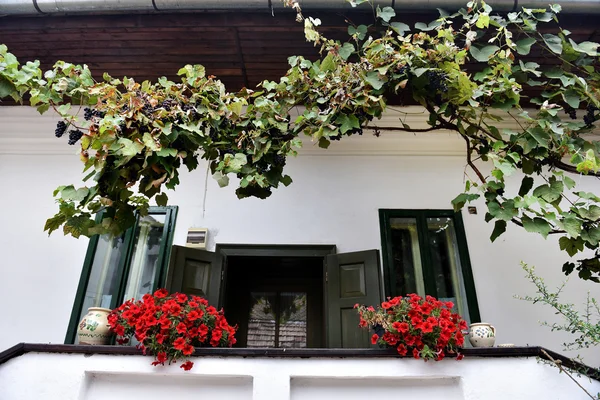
(32, 7)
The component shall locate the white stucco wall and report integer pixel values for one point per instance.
(63, 376)
(334, 199)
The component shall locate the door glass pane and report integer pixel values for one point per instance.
(445, 260)
(406, 256)
(145, 256)
(262, 321)
(103, 280)
(292, 320)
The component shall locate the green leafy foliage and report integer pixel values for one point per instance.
(138, 135)
(580, 323)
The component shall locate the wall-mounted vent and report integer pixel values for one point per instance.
(196, 237)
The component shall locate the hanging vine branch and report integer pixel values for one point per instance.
(135, 136)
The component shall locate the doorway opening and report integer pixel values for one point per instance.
(275, 301)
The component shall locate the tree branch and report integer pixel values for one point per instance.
(571, 168)
(470, 162)
(559, 365)
(397, 128)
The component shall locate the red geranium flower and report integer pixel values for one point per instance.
(187, 365)
(179, 343)
(402, 349)
(148, 298)
(161, 293)
(181, 298)
(193, 315)
(390, 338)
(181, 328)
(374, 338)
(211, 310)
(164, 322)
(188, 350)
(119, 330)
(403, 327)
(161, 357)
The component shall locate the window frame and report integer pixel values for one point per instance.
(124, 266)
(420, 216)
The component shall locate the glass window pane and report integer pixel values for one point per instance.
(445, 259)
(292, 320)
(145, 256)
(406, 256)
(262, 322)
(103, 281)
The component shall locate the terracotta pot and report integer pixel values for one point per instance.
(482, 334)
(93, 328)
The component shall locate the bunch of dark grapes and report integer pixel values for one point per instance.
(213, 135)
(147, 109)
(403, 70)
(168, 104)
(362, 116)
(279, 160)
(61, 127)
(590, 117)
(571, 112)
(335, 138)
(88, 114)
(437, 81)
(193, 114)
(74, 136)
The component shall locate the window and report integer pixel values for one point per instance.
(277, 319)
(425, 252)
(124, 267)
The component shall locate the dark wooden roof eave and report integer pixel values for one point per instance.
(241, 49)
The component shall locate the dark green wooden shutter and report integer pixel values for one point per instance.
(195, 271)
(351, 278)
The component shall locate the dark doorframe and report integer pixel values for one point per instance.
(275, 250)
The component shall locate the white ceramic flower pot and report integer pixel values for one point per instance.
(482, 334)
(93, 328)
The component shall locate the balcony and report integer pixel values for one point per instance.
(42, 371)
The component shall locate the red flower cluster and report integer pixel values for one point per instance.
(170, 326)
(425, 328)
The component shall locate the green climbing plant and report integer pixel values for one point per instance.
(135, 136)
(582, 323)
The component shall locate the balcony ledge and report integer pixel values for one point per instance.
(489, 352)
(55, 372)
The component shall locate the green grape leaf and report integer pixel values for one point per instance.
(499, 229)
